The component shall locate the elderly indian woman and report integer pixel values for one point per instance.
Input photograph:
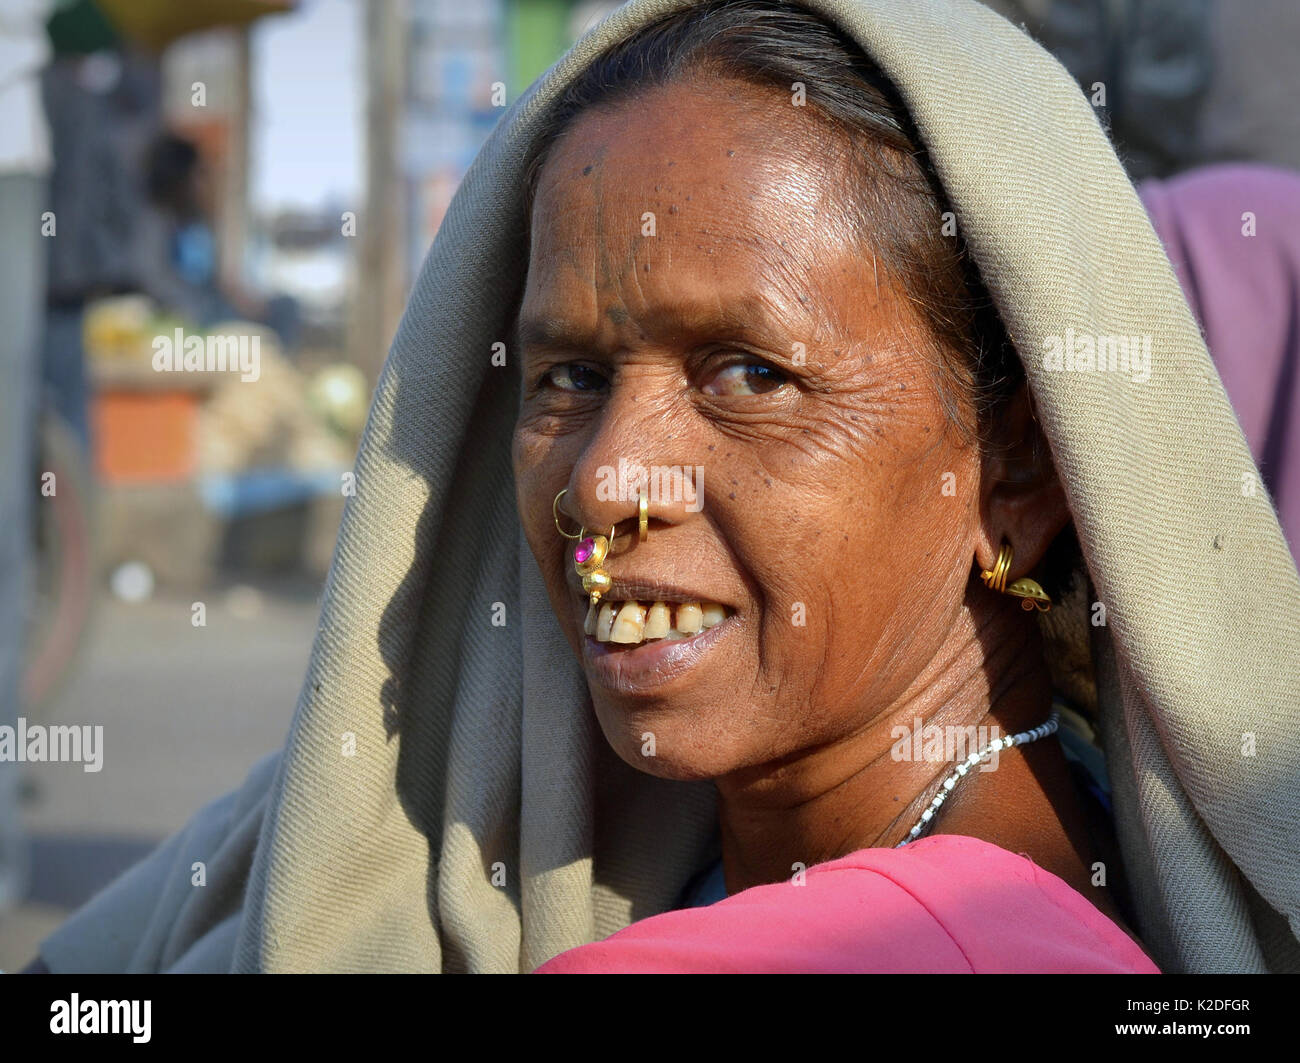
(799, 528)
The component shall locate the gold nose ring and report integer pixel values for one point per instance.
(588, 555)
(555, 512)
(642, 518)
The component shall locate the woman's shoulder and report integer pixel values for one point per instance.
(946, 903)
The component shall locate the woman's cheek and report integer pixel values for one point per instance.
(533, 473)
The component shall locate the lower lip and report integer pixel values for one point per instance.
(651, 665)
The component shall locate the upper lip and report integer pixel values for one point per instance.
(640, 589)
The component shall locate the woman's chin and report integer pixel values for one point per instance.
(663, 748)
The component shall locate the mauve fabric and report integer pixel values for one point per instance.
(484, 824)
(945, 904)
(1232, 233)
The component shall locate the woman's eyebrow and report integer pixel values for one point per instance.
(548, 333)
(749, 316)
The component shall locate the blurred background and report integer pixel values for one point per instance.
(277, 169)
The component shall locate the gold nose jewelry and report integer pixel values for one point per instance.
(1029, 592)
(588, 555)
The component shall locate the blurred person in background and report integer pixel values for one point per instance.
(176, 247)
(1182, 81)
(102, 109)
(1232, 233)
(24, 165)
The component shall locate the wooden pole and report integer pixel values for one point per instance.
(381, 282)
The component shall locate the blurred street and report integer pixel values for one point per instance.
(186, 712)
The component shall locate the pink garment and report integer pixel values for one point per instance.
(943, 904)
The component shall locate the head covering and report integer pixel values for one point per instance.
(1232, 233)
(483, 824)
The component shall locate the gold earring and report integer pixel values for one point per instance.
(1027, 590)
(588, 555)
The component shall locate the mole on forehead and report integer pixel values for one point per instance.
(736, 125)
(761, 182)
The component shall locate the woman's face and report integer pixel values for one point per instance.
(696, 300)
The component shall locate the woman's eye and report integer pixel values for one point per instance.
(744, 378)
(573, 377)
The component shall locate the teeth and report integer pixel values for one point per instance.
(658, 621)
(629, 625)
(711, 613)
(604, 622)
(690, 619)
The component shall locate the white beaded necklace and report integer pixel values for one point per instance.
(1023, 738)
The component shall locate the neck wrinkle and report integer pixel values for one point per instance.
(829, 801)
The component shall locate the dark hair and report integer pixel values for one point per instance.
(893, 197)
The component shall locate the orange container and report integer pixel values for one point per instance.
(146, 436)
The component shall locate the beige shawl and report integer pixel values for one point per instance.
(482, 823)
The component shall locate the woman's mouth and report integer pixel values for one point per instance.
(626, 625)
(634, 647)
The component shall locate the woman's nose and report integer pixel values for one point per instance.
(644, 444)
(619, 493)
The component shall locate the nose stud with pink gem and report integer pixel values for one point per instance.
(588, 555)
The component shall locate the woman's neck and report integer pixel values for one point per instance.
(868, 788)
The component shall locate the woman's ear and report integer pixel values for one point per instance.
(1021, 497)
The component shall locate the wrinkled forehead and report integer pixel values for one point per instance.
(731, 146)
(681, 192)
